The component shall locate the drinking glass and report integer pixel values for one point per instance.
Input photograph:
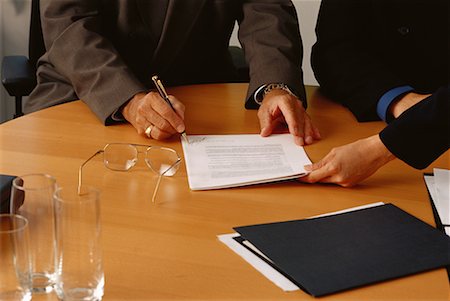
(32, 197)
(79, 273)
(15, 264)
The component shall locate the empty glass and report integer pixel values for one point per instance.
(32, 197)
(15, 264)
(79, 273)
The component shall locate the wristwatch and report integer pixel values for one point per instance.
(269, 87)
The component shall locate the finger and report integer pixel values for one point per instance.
(266, 121)
(294, 117)
(337, 179)
(148, 116)
(159, 134)
(307, 128)
(318, 175)
(299, 141)
(178, 106)
(317, 165)
(161, 107)
(316, 133)
(145, 115)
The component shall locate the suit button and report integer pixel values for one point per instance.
(403, 30)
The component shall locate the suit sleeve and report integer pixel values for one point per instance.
(342, 60)
(269, 34)
(78, 48)
(422, 133)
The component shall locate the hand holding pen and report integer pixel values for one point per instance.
(162, 92)
(153, 116)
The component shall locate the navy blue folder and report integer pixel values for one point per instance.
(5, 191)
(329, 254)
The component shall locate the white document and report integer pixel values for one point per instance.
(263, 267)
(442, 186)
(439, 187)
(221, 161)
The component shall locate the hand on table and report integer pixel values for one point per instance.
(145, 110)
(350, 164)
(280, 108)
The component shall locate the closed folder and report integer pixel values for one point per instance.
(329, 254)
(5, 191)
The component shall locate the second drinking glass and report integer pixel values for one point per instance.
(32, 197)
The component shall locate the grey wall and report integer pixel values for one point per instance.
(14, 27)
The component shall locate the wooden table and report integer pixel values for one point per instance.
(169, 250)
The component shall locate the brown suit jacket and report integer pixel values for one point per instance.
(105, 51)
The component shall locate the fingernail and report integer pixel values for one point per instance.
(180, 128)
(308, 167)
(263, 132)
(300, 140)
(309, 140)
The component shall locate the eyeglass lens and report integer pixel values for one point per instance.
(163, 161)
(122, 157)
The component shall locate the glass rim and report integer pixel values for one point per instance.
(15, 216)
(86, 190)
(21, 187)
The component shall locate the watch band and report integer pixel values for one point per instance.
(269, 87)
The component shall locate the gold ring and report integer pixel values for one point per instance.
(148, 131)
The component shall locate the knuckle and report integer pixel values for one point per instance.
(140, 119)
(141, 110)
(333, 168)
(164, 125)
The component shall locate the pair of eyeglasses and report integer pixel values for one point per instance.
(163, 161)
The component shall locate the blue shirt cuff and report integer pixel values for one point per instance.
(388, 97)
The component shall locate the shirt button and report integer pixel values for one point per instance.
(403, 30)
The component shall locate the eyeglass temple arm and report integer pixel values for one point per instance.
(160, 177)
(80, 170)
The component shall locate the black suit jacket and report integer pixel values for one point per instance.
(105, 51)
(422, 133)
(365, 48)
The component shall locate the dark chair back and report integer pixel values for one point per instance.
(36, 47)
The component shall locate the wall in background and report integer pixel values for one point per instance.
(15, 20)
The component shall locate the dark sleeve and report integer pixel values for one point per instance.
(270, 36)
(343, 61)
(422, 133)
(78, 49)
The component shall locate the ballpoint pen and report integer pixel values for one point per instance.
(162, 92)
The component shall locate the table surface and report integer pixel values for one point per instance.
(170, 250)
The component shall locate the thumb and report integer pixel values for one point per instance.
(314, 166)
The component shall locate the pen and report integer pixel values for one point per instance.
(162, 92)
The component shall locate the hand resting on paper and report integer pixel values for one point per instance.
(349, 164)
(279, 108)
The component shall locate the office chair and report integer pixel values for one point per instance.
(238, 58)
(19, 72)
